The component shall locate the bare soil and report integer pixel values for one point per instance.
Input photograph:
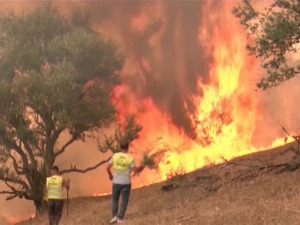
(257, 189)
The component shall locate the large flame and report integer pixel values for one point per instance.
(188, 79)
(226, 104)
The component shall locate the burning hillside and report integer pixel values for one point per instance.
(192, 85)
(190, 82)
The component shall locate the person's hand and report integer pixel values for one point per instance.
(142, 167)
(142, 164)
(139, 170)
(136, 173)
(111, 177)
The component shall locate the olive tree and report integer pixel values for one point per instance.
(274, 36)
(56, 78)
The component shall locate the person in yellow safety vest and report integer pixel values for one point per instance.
(123, 164)
(54, 195)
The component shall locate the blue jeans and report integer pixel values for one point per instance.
(117, 190)
(55, 208)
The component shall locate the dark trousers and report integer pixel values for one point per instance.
(55, 208)
(117, 190)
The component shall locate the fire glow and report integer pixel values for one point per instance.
(226, 113)
(227, 108)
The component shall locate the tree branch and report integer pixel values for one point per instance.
(17, 168)
(75, 170)
(12, 145)
(63, 148)
(15, 123)
(36, 117)
(16, 193)
(11, 196)
(14, 180)
(29, 151)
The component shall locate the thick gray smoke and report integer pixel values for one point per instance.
(171, 31)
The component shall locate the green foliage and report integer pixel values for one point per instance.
(274, 34)
(128, 132)
(149, 161)
(24, 40)
(55, 77)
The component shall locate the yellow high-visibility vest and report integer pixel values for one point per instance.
(54, 187)
(121, 163)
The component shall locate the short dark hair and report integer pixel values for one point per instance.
(124, 145)
(55, 168)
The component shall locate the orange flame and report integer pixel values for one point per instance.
(226, 113)
(227, 105)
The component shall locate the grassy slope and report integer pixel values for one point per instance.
(238, 192)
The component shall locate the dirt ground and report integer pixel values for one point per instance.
(257, 189)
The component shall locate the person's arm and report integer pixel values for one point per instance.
(66, 183)
(138, 169)
(108, 169)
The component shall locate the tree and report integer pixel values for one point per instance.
(274, 35)
(56, 77)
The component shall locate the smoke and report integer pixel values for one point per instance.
(164, 60)
(14, 210)
(3, 221)
(279, 109)
(164, 56)
(167, 45)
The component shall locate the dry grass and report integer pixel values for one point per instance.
(219, 195)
